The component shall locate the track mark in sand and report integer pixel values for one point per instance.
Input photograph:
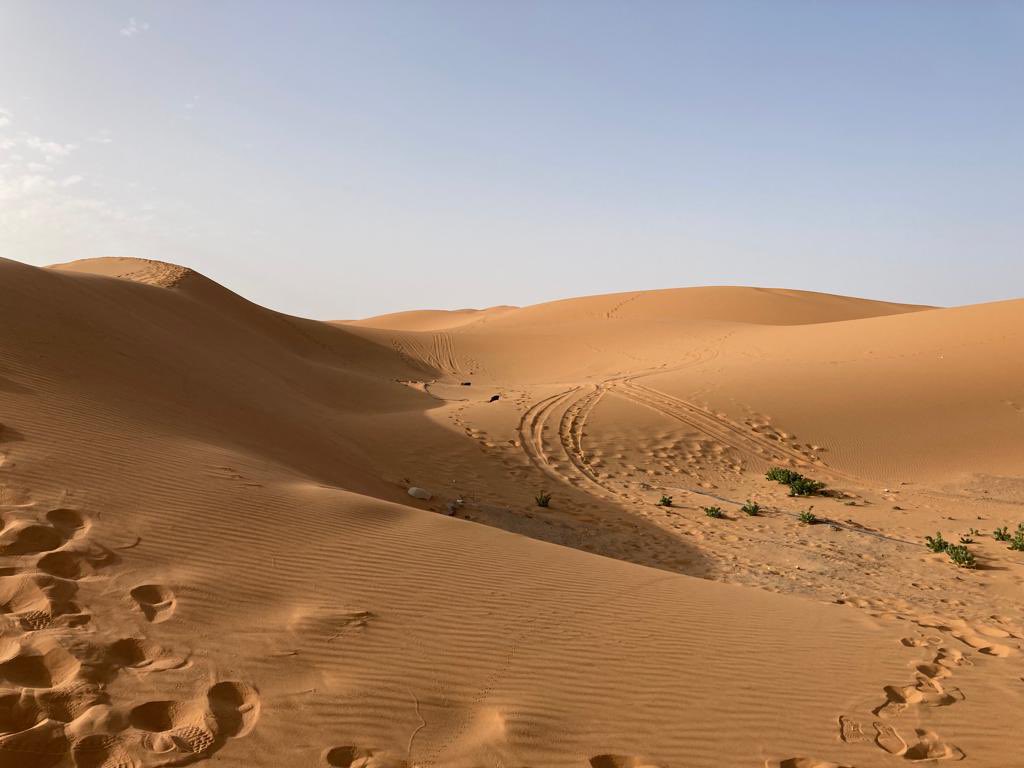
(101, 751)
(930, 746)
(181, 732)
(927, 694)
(40, 601)
(156, 602)
(803, 762)
(42, 746)
(55, 704)
(74, 564)
(720, 429)
(235, 708)
(851, 731)
(37, 665)
(623, 761)
(360, 757)
(29, 539)
(889, 740)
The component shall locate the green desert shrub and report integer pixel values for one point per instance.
(803, 486)
(543, 499)
(936, 543)
(1017, 542)
(713, 512)
(807, 517)
(665, 501)
(1001, 534)
(782, 475)
(961, 555)
(798, 484)
(752, 508)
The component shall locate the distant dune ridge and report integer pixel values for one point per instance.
(208, 551)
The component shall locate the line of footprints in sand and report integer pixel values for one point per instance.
(927, 690)
(55, 704)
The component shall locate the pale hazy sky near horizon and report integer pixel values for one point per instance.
(343, 159)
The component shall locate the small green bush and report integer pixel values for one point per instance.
(961, 555)
(803, 486)
(782, 475)
(1001, 534)
(752, 508)
(665, 501)
(798, 484)
(1017, 542)
(966, 540)
(543, 499)
(807, 517)
(936, 544)
(715, 512)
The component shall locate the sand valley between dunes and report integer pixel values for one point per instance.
(209, 555)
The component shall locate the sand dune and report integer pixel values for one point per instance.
(208, 552)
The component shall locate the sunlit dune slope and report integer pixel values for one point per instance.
(227, 457)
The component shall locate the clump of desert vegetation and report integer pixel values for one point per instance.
(807, 517)
(543, 499)
(752, 508)
(715, 512)
(665, 501)
(961, 556)
(958, 553)
(798, 484)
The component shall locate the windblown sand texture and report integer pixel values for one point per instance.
(208, 551)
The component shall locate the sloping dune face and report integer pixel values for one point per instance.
(208, 551)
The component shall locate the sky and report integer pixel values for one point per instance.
(345, 159)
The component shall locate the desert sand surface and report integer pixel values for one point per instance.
(209, 554)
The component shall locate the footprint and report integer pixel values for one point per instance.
(358, 757)
(850, 730)
(155, 601)
(42, 746)
(930, 747)
(235, 708)
(177, 731)
(67, 521)
(16, 714)
(143, 656)
(25, 538)
(622, 761)
(75, 565)
(40, 601)
(67, 702)
(102, 751)
(45, 665)
(889, 740)
(928, 693)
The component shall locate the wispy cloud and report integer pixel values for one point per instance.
(134, 27)
(51, 150)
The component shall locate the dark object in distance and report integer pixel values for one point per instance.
(493, 398)
(467, 383)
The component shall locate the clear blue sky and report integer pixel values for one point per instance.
(341, 159)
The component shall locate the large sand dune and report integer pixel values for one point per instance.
(208, 551)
